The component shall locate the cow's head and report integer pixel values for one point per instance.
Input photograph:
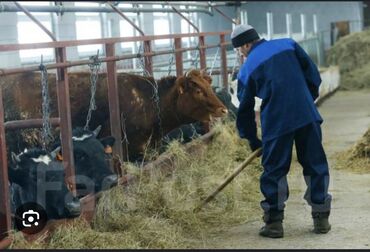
(90, 154)
(196, 98)
(37, 178)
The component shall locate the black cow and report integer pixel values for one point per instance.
(36, 177)
(91, 166)
(225, 97)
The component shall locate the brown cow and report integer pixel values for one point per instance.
(182, 100)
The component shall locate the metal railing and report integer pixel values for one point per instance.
(64, 121)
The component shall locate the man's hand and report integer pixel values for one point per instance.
(255, 144)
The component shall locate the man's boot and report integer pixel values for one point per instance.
(321, 222)
(274, 224)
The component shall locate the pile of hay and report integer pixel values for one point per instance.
(357, 158)
(351, 54)
(157, 211)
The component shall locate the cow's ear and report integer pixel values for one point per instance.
(15, 158)
(108, 142)
(55, 154)
(183, 84)
(97, 130)
(181, 90)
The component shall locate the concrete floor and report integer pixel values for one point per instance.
(346, 118)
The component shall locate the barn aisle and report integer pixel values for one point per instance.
(346, 118)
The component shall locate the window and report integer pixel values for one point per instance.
(126, 29)
(160, 14)
(88, 26)
(161, 27)
(29, 32)
(161, 24)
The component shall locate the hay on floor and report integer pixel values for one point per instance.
(351, 54)
(157, 211)
(357, 158)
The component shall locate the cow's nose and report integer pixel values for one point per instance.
(222, 111)
(73, 208)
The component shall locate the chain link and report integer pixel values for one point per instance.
(194, 62)
(94, 74)
(155, 96)
(141, 61)
(171, 60)
(214, 61)
(46, 135)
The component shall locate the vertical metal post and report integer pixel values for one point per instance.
(114, 111)
(319, 49)
(270, 26)
(303, 26)
(244, 17)
(202, 53)
(223, 62)
(64, 109)
(315, 29)
(148, 59)
(4, 187)
(178, 57)
(289, 25)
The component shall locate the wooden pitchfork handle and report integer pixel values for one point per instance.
(241, 167)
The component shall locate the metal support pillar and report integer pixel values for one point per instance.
(114, 111)
(178, 57)
(223, 62)
(5, 224)
(64, 109)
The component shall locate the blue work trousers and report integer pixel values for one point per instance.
(276, 159)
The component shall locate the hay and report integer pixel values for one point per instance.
(157, 211)
(357, 158)
(351, 54)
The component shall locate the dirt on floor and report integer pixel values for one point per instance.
(346, 119)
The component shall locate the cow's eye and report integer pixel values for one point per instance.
(199, 91)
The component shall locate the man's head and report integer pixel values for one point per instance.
(243, 37)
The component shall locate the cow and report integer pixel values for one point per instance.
(188, 132)
(35, 176)
(149, 109)
(92, 170)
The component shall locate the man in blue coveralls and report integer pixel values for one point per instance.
(285, 78)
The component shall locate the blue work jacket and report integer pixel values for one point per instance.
(282, 74)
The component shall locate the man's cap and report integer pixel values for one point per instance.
(243, 34)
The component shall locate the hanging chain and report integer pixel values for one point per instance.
(194, 62)
(214, 61)
(141, 61)
(155, 96)
(171, 60)
(156, 100)
(47, 137)
(94, 74)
